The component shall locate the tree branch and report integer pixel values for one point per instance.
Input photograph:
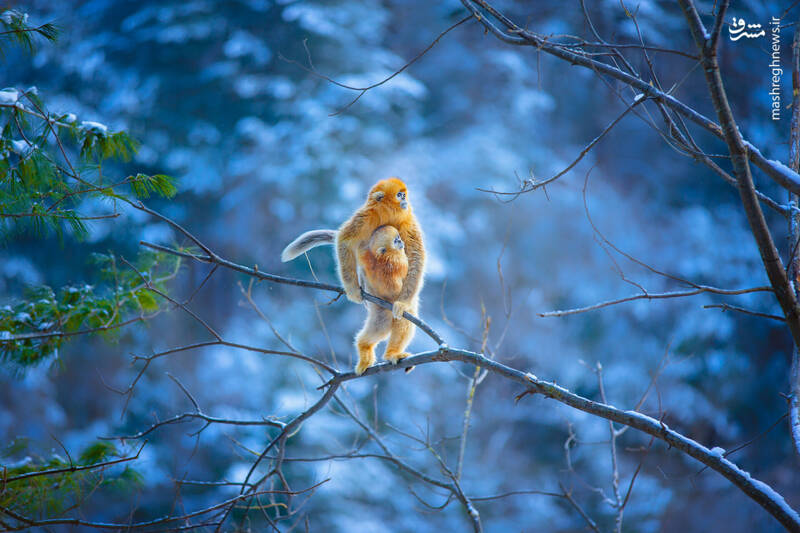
(654, 296)
(784, 176)
(794, 232)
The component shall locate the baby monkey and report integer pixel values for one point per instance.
(384, 266)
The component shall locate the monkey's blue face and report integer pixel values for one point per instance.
(401, 197)
(390, 193)
(396, 244)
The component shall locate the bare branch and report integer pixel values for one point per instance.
(198, 416)
(531, 185)
(727, 307)
(613, 434)
(362, 90)
(516, 493)
(568, 495)
(713, 43)
(794, 232)
(655, 296)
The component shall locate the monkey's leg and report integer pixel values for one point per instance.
(401, 334)
(376, 328)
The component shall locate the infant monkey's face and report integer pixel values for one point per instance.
(384, 239)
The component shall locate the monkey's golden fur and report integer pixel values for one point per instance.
(384, 268)
(384, 207)
(398, 277)
(387, 205)
(384, 263)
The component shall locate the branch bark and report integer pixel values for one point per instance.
(794, 232)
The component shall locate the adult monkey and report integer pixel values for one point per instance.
(386, 205)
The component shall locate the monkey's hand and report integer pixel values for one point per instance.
(398, 308)
(354, 294)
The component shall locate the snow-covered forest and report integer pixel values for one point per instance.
(613, 344)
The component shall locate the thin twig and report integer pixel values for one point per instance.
(728, 307)
(362, 90)
(656, 296)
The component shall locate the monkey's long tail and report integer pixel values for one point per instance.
(307, 241)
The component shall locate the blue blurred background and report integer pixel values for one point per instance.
(261, 155)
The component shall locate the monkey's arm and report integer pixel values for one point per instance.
(347, 240)
(415, 250)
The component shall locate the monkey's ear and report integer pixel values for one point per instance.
(378, 195)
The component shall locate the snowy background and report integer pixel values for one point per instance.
(261, 156)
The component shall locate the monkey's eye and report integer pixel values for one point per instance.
(381, 251)
(401, 195)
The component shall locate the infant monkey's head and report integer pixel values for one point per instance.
(385, 239)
